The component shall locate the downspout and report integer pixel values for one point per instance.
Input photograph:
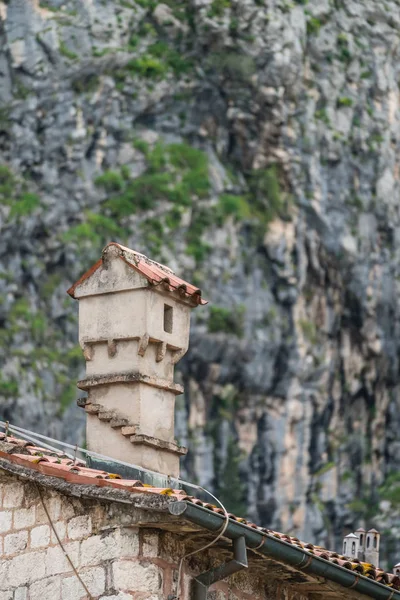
(283, 551)
(202, 582)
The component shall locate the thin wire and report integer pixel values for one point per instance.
(37, 438)
(32, 435)
(221, 533)
(61, 545)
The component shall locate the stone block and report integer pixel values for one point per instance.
(137, 577)
(72, 589)
(5, 521)
(15, 542)
(56, 561)
(79, 527)
(150, 544)
(46, 589)
(4, 569)
(24, 518)
(40, 536)
(53, 505)
(109, 545)
(13, 495)
(21, 593)
(61, 528)
(27, 568)
(67, 509)
(94, 579)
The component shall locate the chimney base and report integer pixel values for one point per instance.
(137, 449)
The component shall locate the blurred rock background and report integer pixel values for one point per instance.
(253, 146)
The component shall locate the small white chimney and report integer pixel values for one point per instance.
(363, 545)
(396, 570)
(134, 318)
(361, 534)
(372, 542)
(351, 546)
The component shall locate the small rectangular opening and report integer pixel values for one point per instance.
(167, 318)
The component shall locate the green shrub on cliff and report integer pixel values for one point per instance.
(223, 320)
(218, 7)
(94, 228)
(235, 206)
(65, 51)
(266, 200)
(147, 66)
(112, 181)
(175, 173)
(25, 205)
(8, 387)
(231, 489)
(7, 182)
(390, 490)
(13, 193)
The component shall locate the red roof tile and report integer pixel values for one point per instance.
(154, 272)
(57, 464)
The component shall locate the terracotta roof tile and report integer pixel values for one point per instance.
(57, 464)
(153, 271)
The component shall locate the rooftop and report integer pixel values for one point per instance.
(55, 464)
(154, 272)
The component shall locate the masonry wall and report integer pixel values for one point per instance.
(115, 558)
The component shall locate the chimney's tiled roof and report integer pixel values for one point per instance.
(153, 271)
(57, 464)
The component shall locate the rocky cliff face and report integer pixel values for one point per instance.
(252, 145)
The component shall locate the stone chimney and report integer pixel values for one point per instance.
(396, 570)
(363, 545)
(134, 317)
(361, 534)
(351, 546)
(372, 542)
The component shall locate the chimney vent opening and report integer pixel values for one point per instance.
(375, 541)
(353, 548)
(168, 318)
(368, 541)
(361, 539)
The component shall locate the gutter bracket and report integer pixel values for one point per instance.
(203, 581)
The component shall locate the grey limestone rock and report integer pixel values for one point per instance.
(108, 113)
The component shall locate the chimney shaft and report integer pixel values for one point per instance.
(372, 543)
(134, 318)
(363, 545)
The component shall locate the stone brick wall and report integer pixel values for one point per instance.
(115, 558)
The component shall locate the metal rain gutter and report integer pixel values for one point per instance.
(283, 551)
(238, 563)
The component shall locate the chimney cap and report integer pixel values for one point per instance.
(154, 272)
(360, 530)
(373, 531)
(398, 565)
(351, 536)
